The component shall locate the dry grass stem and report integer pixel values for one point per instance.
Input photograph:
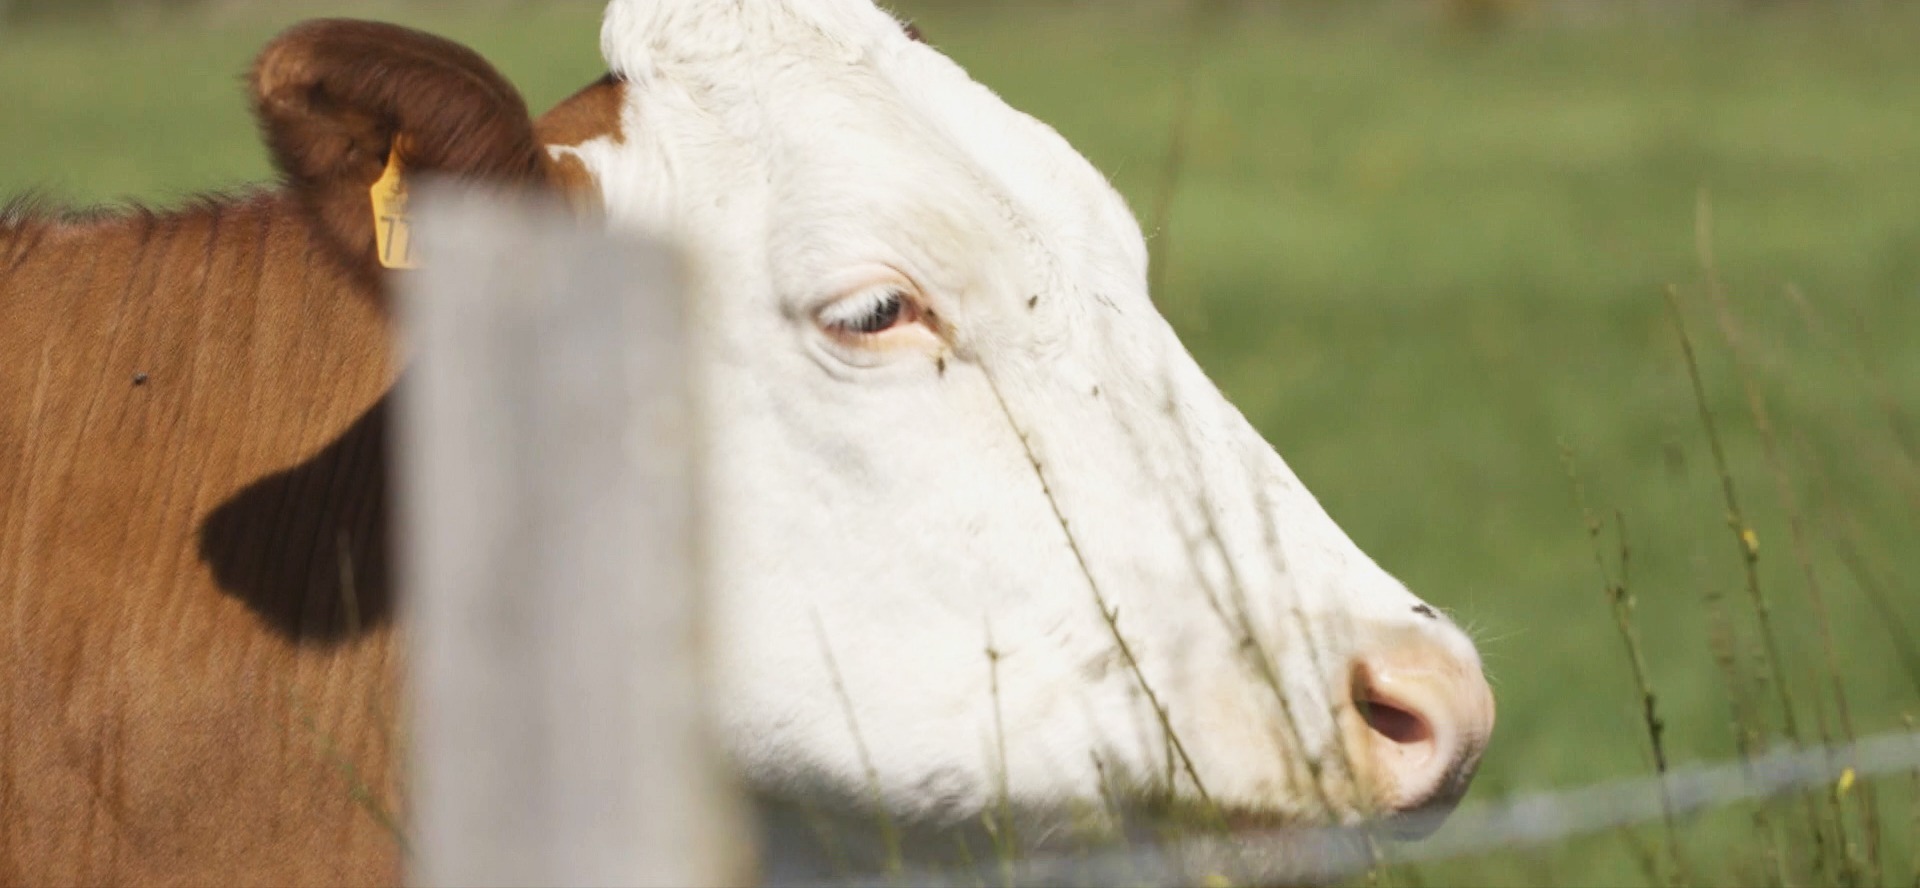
(1744, 720)
(1199, 19)
(883, 819)
(358, 789)
(1239, 622)
(1843, 534)
(1620, 602)
(1006, 843)
(1733, 336)
(1173, 165)
(1108, 613)
(1241, 626)
(1748, 543)
(1876, 594)
(1861, 352)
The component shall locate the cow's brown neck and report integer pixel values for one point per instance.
(190, 550)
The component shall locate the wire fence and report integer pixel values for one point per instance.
(1323, 856)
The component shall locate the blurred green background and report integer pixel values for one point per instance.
(1423, 245)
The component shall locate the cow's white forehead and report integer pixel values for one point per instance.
(641, 35)
(843, 101)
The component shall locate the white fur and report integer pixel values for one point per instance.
(889, 514)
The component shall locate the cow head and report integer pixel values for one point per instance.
(980, 524)
(980, 521)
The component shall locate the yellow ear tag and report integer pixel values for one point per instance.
(392, 227)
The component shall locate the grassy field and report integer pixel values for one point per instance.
(1422, 258)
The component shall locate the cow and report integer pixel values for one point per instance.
(991, 540)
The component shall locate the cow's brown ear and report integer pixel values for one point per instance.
(590, 114)
(335, 97)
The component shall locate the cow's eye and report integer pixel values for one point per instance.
(876, 319)
(869, 313)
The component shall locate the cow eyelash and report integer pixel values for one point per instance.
(870, 313)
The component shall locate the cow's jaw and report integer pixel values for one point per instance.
(925, 561)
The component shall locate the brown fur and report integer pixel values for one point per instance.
(197, 661)
(578, 120)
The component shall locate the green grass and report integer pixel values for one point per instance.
(1419, 258)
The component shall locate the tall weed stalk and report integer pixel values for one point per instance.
(1735, 339)
(1748, 543)
(1620, 601)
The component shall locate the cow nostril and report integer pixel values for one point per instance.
(1398, 728)
(1401, 726)
(1421, 714)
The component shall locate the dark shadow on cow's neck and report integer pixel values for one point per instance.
(306, 548)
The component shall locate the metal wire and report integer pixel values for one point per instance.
(1317, 856)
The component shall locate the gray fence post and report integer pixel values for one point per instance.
(548, 538)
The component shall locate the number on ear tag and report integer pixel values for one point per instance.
(392, 227)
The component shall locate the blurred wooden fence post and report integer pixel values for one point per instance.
(546, 470)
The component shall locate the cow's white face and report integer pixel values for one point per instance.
(946, 419)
